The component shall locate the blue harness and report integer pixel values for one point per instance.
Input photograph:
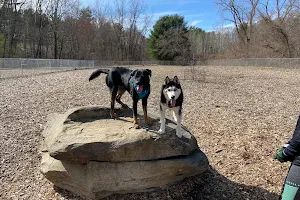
(142, 94)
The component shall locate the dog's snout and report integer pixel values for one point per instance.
(173, 97)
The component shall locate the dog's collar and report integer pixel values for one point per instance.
(142, 94)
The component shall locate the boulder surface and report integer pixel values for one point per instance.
(91, 155)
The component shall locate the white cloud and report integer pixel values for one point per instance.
(164, 13)
(224, 28)
(189, 1)
(156, 16)
(231, 25)
(194, 15)
(195, 22)
(182, 2)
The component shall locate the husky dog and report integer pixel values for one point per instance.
(171, 98)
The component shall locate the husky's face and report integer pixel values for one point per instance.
(171, 90)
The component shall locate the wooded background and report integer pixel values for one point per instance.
(120, 30)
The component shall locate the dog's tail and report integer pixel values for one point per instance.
(97, 73)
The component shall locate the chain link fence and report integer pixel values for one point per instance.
(20, 67)
(19, 63)
(261, 62)
(99, 63)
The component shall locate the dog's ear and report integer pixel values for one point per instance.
(176, 80)
(167, 80)
(149, 72)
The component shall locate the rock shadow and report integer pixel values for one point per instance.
(211, 185)
(91, 114)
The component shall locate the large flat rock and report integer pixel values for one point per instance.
(100, 179)
(88, 134)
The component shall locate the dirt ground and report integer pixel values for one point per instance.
(239, 115)
(6, 73)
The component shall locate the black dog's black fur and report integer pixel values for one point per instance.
(121, 79)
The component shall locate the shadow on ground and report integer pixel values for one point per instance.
(211, 185)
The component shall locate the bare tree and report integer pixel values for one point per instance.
(11, 9)
(196, 37)
(130, 23)
(138, 26)
(39, 21)
(57, 10)
(242, 15)
(278, 21)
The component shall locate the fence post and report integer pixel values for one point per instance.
(21, 66)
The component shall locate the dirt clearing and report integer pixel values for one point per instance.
(239, 115)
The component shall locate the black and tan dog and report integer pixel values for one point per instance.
(121, 79)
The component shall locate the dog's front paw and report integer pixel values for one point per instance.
(136, 126)
(178, 133)
(161, 131)
(113, 115)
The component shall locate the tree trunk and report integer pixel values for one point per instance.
(61, 48)
(55, 44)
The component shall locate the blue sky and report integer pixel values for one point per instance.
(200, 13)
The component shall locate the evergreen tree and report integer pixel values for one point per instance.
(168, 39)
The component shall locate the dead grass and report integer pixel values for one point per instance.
(17, 73)
(239, 115)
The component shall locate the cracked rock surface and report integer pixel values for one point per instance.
(86, 152)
